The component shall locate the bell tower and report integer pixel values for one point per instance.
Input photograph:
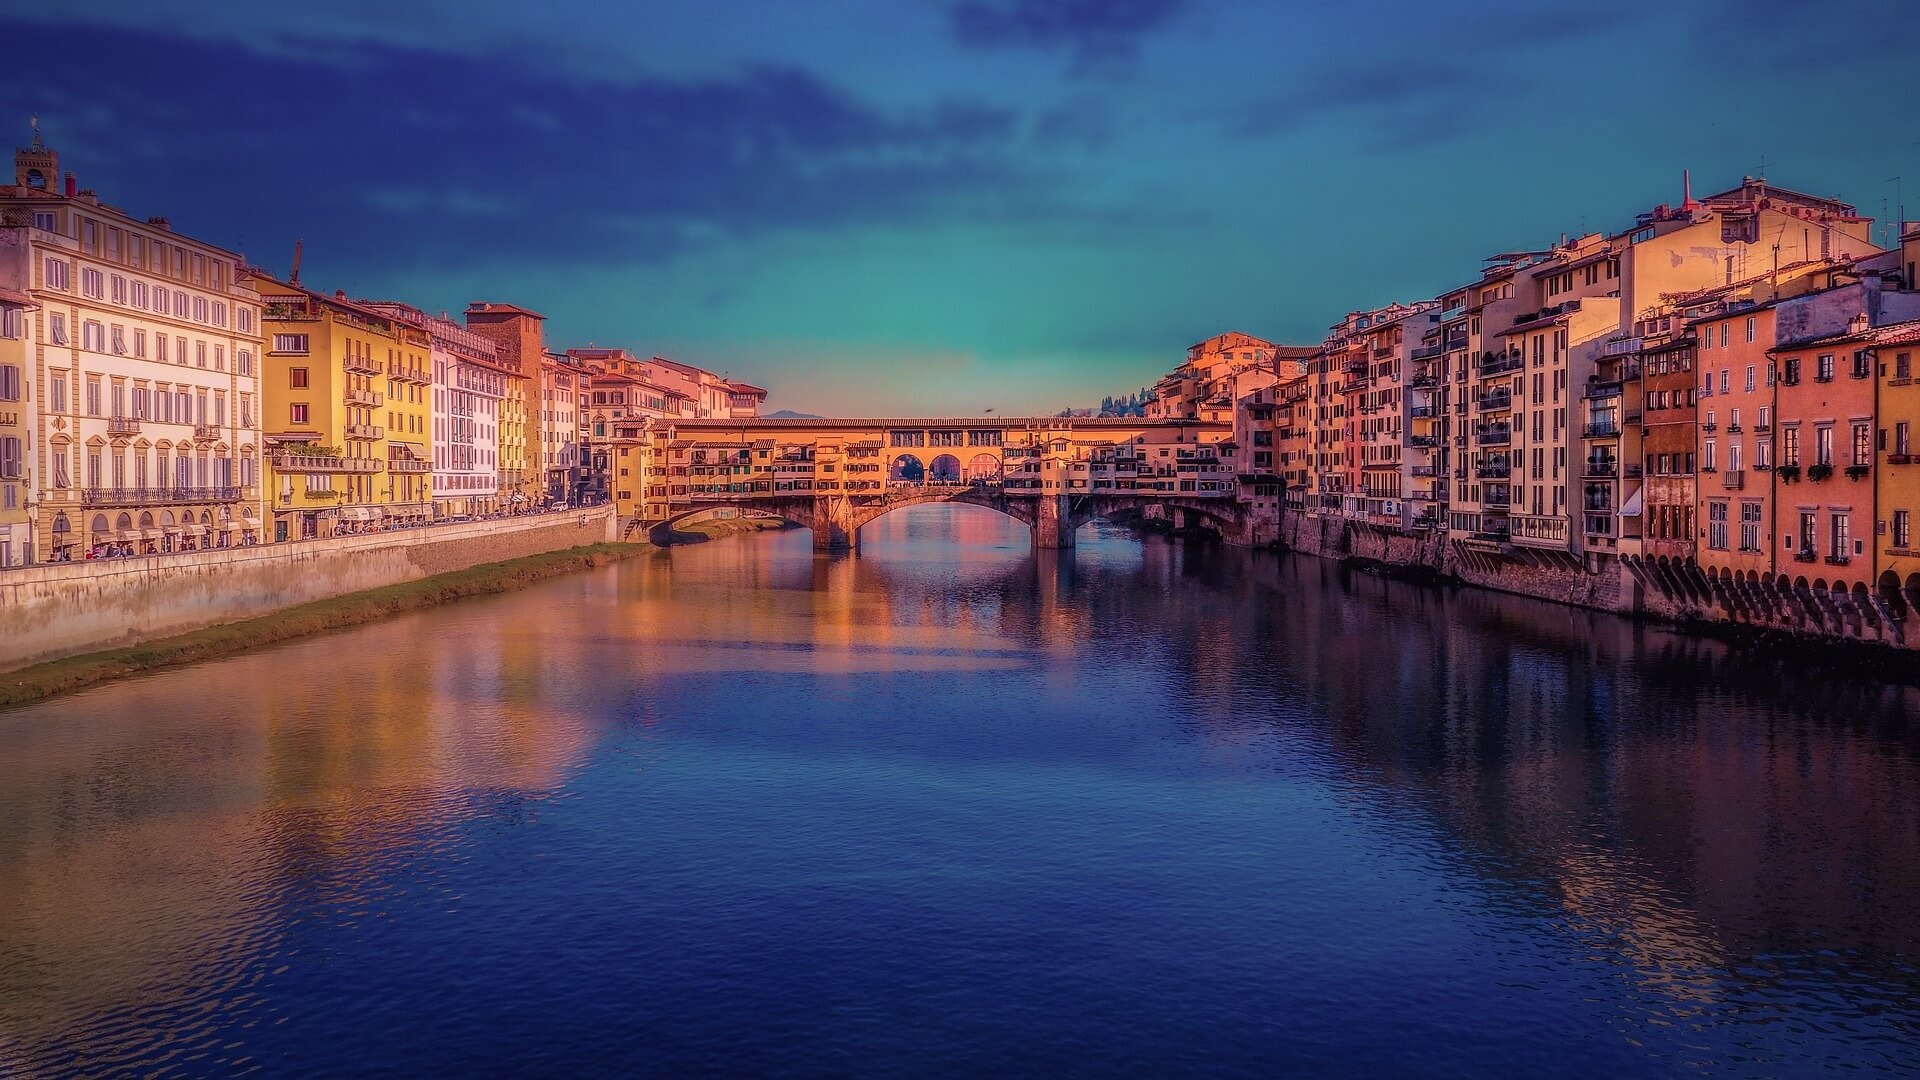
(36, 166)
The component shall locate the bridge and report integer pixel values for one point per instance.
(834, 476)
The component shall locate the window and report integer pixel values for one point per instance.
(13, 323)
(10, 459)
(243, 361)
(297, 378)
(1841, 543)
(1717, 525)
(1903, 365)
(118, 286)
(1902, 529)
(55, 273)
(93, 336)
(290, 343)
(57, 390)
(57, 328)
(297, 413)
(1750, 378)
(243, 318)
(160, 297)
(1901, 433)
(93, 396)
(1862, 364)
(118, 338)
(1751, 329)
(1707, 457)
(1749, 526)
(9, 383)
(1823, 445)
(1762, 454)
(1766, 418)
(1725, 381)
(1823, 371)
(1790, 446)
(1862, 444)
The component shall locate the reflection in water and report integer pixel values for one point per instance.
(953, 806)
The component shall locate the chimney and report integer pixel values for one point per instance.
(73, 185)
(1858, 324)
(161, 223)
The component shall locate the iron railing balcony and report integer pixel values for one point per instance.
(1499, 401)
(156, 496)
(1496, 364)
(1493, 472)
(1605, 429)
(1601, 468)
(1494, 437)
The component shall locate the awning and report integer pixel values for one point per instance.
(126, 534)
(1633, 507)
(358, 513)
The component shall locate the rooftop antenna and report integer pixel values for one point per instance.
(1899, 223)
(1763, 166)
(293, 278)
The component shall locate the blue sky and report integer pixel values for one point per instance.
(940, 207)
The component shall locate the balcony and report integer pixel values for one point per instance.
(1499, 401)
(1493, 472)
(1424, 381)
(365, 431)
(1733, 480)
(407, 373)
(1605, 429)
(1425, 470)
(1423, 412)
(1496, 364)
(1805, 555)
(205, 432)
(361, 365)
(1428, 352)
(123, 425)
(156, 496)
(408, 465)
(369, 398)
(1424, 442)
(1600, 468)
(1496, 500)
(1837, 560)
(1494, 437)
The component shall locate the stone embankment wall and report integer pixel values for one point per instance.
(1675, 591)
(63, 609)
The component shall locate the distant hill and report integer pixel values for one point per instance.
(789, 414)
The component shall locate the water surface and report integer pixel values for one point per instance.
(951, 808)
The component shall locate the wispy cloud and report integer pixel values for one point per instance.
(1088, 30)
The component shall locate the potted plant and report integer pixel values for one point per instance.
(1788, 473)
(1819, 472)
(1855, 472)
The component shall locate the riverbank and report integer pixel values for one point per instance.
(1867, 632)
(77, 672)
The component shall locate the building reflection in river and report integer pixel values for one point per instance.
(1728, 832)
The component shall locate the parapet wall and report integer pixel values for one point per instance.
(63, 609)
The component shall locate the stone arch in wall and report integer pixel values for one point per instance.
(944, 469)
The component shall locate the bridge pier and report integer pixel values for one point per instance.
(1053, 523)
(834, 527)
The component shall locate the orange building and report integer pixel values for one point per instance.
(1824, 511)
(1734, 441)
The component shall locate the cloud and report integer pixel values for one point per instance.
(416, 157)
(1089, 30)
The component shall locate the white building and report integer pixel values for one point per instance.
(142, 362)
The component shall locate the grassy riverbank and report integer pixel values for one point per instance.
(75, 672)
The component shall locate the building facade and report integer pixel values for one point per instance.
(140, 346)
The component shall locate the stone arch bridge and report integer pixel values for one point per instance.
(836, 519)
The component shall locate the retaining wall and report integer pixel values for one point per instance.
(63, 609)
(1673, 591)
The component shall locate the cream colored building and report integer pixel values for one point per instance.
(143, 359)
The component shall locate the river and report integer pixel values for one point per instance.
(948, 807)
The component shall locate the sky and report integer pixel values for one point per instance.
(939, 207)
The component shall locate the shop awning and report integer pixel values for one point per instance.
(1633, 507)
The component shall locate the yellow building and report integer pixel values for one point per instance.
(348, 417)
